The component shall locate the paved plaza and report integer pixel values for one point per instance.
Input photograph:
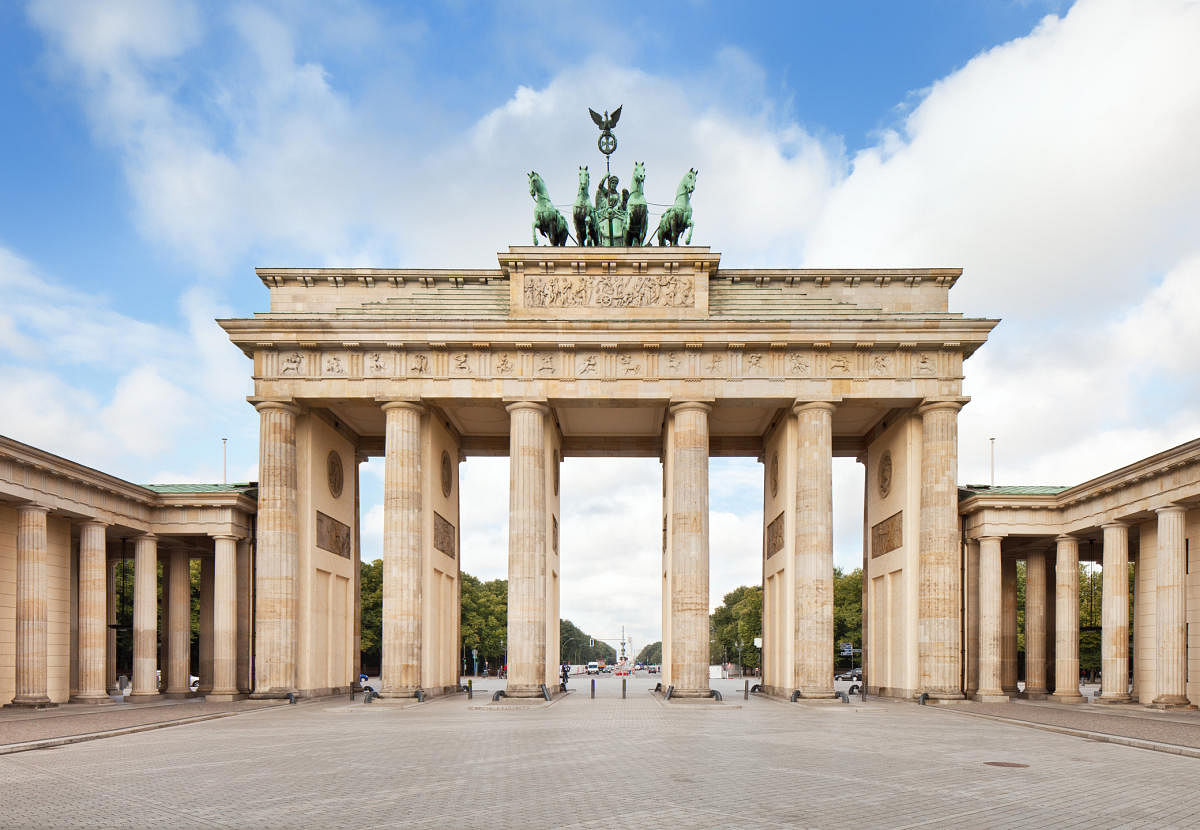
(599, 763)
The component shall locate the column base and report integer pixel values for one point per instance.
(143, 697)
(991, 697)
(1166, 702)
(92, 699)
(38, 702)
(1035, 694)
(169, 695)
(690, 693)
(512, 690)
(272, 694)
(1067, 697)
(1112, 701)
(222, 696)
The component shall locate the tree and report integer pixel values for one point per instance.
(483, 621)
(847, 608)
(737, 620)
(371, 639)
(651, 654)
(578, 647)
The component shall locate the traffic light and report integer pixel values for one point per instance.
(592, 643)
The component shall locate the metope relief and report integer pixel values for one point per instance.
(839, 364)
(443, 535)
(587, 365)
(628, 365)
(755, 364)
(335, 365)
(291, 364)
(419, 365)
(662, 291)
(545, 364)
(503, 365)
(924, 365)
(799, 364)
(461, 363)
(774, 536)
(377, 364)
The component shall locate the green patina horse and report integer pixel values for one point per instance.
(678, 217)
(546, 217)
(582, 212)
(638, 215)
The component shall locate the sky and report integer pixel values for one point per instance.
(155, 152)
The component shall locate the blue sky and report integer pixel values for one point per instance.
(155, 152)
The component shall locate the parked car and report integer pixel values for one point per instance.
(593, 667)
(652, 669)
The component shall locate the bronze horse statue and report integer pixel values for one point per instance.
(678, 217)
(637, 220)
(582, 212)
(546, 217)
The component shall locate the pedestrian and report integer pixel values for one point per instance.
(566, 671)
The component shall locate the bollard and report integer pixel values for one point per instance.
(470, 689)
(746, 691)
(622, 688)
(593, 688)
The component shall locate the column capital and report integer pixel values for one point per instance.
(1066, 537)
(227, 536)
(148, 536)
(93, 523)
(807, 406)
(1170, 509)
(32, 507)
(267, 405)
(387, 404)
(517, 405)
(934, 405)
(1115, 523)
(690, 406)
(990, 538)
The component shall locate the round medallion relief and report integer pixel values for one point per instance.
(774, 474)
(334, 474)
(447, 474)
(885, 474)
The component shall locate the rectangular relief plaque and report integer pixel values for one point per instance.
(775, 536)
(611, 291)
(332, 535)
(443, 535)
(887, 535)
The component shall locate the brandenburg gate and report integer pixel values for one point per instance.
(595, 351)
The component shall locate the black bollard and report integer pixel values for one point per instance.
(746, 691)
(593, 688)
(470, 689)
(622, 688)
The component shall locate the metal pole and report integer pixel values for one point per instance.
(224, 465)
(992, 446)
(593, 688)
(746, 691)
(623, 688)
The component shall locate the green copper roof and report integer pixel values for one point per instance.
(201, 488)
(968, 490)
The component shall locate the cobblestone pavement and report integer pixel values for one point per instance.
(598, 763)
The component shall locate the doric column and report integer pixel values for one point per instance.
(938, 601)
(1114, 642)
(244, 628)
(1170, 608)
(110, 651)
(32, 682)
(145, 617)
(526, 548)
(93, 616)
(1066, 621)
(1008, 625)
(689, 548)
(179, 626)
(814, 548)
(276, 559)
(1035, 626)
(971, 573)
(224, 618)
(205, 672)
(400, 670)
(991, 635)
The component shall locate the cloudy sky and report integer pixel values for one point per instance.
(155, 152)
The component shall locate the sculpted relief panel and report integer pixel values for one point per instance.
(634, 291)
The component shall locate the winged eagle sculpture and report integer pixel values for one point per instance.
(606, 122)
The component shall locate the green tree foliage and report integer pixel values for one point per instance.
(738, 620)
(370, 643)
(847, 609)
(651, 654)
(578, 648)
(484, 619)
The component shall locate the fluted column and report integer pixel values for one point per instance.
(814, 549)
(244, 628)
(110, 651)
(1035, 626)
(145, 617)
(32, 682)
(991, 635)
(205, 672)
(276, 559)
(689, 548)
(400, 670)
(224, 618)
(1066, 621)
(526, 548)
(1114, 642)
(1170, 608)
(93, 616)
(939, 654)
(179, 626)
(1008, 625)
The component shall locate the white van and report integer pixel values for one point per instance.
(593, 667)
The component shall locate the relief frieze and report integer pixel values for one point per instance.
(332, 535)
(443, 535)
(774, 536)
(634, 291)
(887, 535)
